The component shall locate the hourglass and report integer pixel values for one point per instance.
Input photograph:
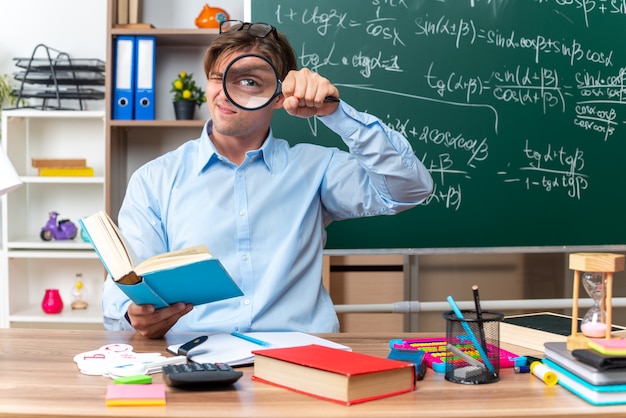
(597, 277)
(594, 322)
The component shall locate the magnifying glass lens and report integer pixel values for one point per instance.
(250, 82)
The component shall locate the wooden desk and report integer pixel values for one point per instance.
(38, 378)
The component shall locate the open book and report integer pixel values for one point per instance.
(191, 275)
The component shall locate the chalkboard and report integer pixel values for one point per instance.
(515, 106)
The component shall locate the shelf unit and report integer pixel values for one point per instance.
(130, 143)
(29, 264)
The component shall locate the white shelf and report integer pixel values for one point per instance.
(29, 264)
(54, 114)
(34, 313)
(52, 249)
(62, 180)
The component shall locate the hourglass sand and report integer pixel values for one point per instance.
(597, 276)
(594, 322)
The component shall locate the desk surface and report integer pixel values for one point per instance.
(38, 378)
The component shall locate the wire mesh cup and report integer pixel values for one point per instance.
(473, 347)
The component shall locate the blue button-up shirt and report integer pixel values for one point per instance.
(265, 219)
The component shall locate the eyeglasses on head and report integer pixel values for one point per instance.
(258, 29)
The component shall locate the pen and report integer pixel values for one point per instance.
(470, 334)
(479, 316)
(249, 338)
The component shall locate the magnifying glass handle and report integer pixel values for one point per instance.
(332, 99)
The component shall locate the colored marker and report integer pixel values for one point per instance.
(249, 338)
(544, 373)
(471, 335)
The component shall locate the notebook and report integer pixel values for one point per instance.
(237, 351)
(558, 353)
(594, 394)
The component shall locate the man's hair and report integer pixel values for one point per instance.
(274, 47)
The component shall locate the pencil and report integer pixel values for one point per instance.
(479, 317)
(249, 338)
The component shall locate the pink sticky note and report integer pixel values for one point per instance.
(127, 395)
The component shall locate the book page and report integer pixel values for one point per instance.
(108, 243)
(173, 259)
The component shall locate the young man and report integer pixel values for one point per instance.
(260, 205)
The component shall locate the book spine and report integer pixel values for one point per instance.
(58, 162)
(66, 172)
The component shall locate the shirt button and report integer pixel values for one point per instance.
(246, 301)
(244, 257)
(242, 212)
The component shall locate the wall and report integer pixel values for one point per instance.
(78, 27)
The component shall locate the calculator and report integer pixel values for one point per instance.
(195, 375)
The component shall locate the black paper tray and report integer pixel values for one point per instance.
(60, 64)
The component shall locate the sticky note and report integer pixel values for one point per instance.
(138, 379)
(131, 395)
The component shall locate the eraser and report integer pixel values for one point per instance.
(138, 379)
(416, 357)
(467, 371)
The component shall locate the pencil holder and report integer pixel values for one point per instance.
(473, 347)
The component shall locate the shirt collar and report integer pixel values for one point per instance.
(208, 155)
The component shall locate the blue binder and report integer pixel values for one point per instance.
(144, 77)
(123, 78)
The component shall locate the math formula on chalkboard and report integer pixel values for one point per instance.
(517, 108)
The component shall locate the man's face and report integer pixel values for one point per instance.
(229, 120)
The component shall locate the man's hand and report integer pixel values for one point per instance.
(305, 94)
(154, 323)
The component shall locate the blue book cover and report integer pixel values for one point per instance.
(191, 275)
(598, 395)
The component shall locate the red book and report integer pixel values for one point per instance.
(336, 375)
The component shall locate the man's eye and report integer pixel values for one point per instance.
(248, 82)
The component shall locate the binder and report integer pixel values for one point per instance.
(144, 77)
(123, 78)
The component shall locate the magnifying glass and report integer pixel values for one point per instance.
(252, 82)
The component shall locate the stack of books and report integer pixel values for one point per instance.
(596, 374)
(62, 167)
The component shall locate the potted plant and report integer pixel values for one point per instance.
(5, 90)
(187, 95)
